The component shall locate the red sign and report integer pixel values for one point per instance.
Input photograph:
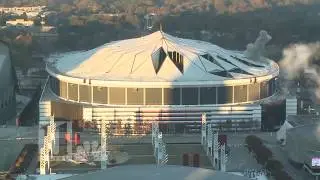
(222, 139)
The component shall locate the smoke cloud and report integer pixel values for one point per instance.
(301, 59)
(254, 50)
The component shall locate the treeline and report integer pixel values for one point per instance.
(164, 6)
(286, 25)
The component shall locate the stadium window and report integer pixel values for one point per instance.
(225, 95)
(177, 59)
(135, 96)
(153, 96)
(264, 87)
(100, 95)
(117, 95)
(63, 89)
(171, 96)
(85, 93)
(254, 92)
(240, 93)
(208, 95)
(189, 96)
(73, 91)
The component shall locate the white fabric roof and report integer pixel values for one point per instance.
(138, 59)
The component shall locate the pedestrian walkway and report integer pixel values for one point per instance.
(176, 152)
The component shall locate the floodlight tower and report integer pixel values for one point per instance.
(203, 129)
(223, 158)
(104, 139)
(216, 147)
(46, 150)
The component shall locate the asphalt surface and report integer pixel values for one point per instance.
(238, 161)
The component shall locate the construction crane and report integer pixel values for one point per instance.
(149, 21)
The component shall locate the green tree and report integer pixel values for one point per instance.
(263, 154)
(273, 166)
(253, 142)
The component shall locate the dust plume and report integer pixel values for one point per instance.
(302, 60)
(254, 50)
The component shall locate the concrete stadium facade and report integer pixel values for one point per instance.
(162, 78)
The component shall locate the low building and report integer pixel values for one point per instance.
(19, 22)
(44, 33)
(31, 11)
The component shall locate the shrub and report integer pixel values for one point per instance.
(113, 161)
(263, 154)
(253, 142)
(273, 166)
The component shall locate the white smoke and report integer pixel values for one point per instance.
(254, 50)
(302, 59)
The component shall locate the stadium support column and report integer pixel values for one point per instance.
(104, 155)
(203, 129)
(216, 147)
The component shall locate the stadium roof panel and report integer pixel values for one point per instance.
(158, 57)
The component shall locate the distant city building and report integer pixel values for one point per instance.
(7, 86)
(32, 11)
(162, 78)
(44, 33)
(19, 22)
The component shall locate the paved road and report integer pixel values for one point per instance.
(280, 154)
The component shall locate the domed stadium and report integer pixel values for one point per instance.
(159, 77)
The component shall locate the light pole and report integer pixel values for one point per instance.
(216, 147)
(104, 139)
(203, 129)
